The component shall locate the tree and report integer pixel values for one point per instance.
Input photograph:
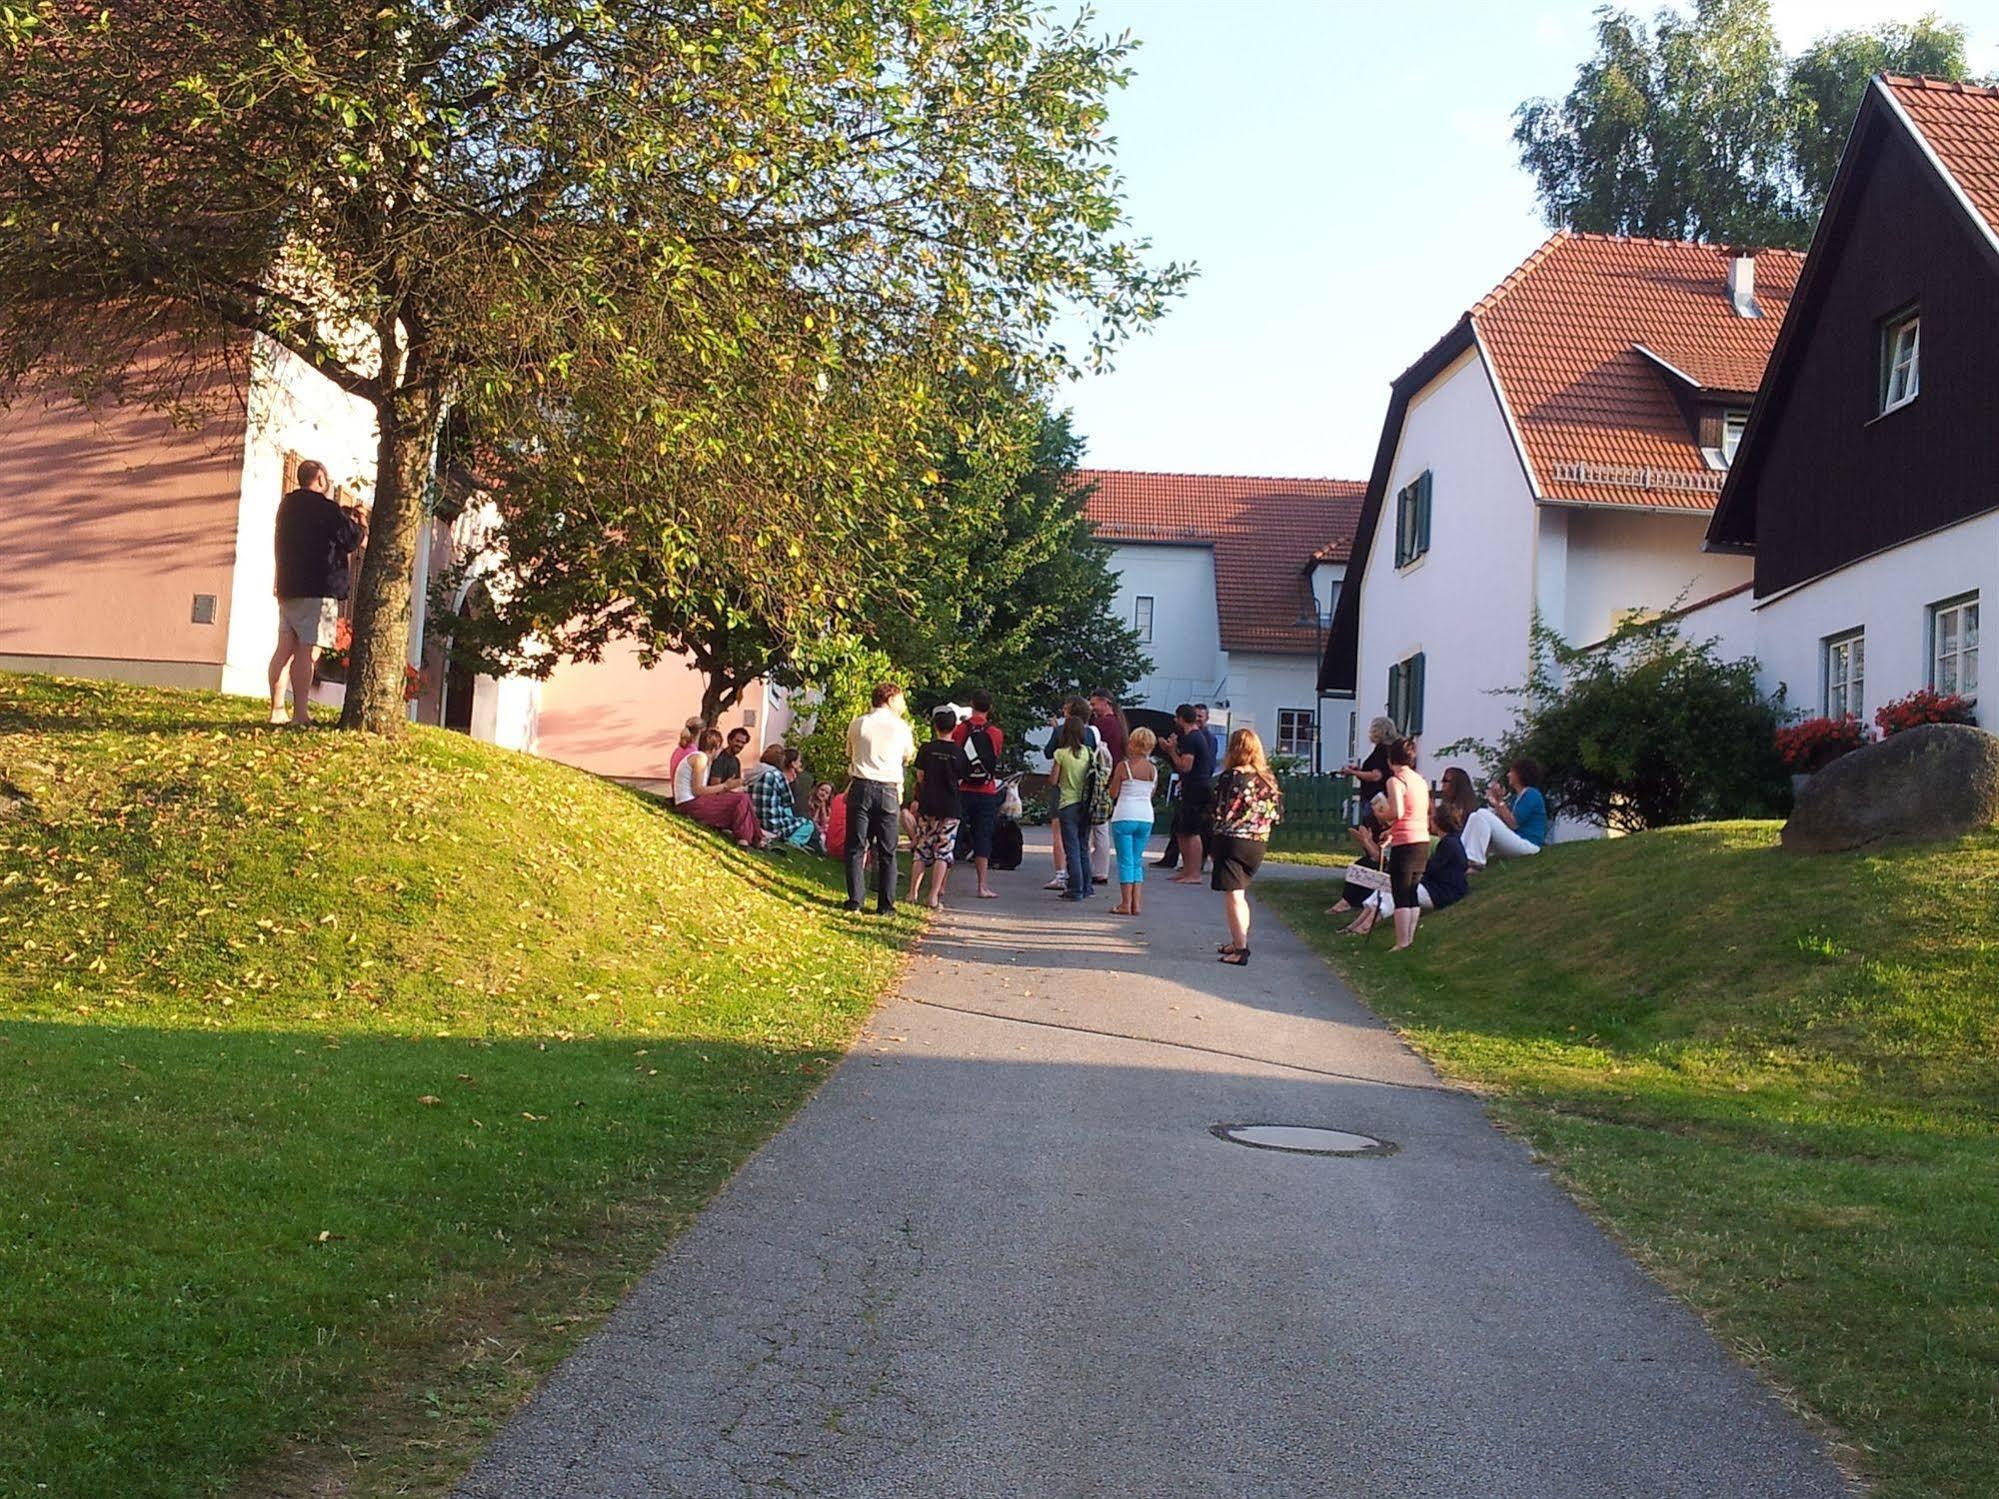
(592, 226)
(1647, 729)
(1699, 128)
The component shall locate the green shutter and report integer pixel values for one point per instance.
(1395, 692)
(1423, 514)
(1401, 527)
(1414, 692)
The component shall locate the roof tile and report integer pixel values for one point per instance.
(1961, 123)
(1265, 534)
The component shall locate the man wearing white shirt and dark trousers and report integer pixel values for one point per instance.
(879, 745)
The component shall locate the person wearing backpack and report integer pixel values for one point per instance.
(980, 788)
(1075, 769)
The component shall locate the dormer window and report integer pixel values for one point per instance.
(1901, 360)
(1732, 425)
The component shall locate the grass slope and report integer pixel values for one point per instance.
(343, 1083)
(1774, 1078)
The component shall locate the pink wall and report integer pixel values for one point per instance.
(111, 521)
(618, 719)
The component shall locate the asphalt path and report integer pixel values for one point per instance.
(1002, 1254)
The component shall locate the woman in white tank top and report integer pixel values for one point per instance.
(1132, 785)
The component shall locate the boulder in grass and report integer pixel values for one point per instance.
(1938, 781)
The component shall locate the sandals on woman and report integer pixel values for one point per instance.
(1235, 957)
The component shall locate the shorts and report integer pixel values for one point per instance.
(1405, 873)
(934, 840)
(1236, 861)
(1191, 819)
(316, 622)
(980, 820)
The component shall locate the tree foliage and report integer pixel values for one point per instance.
(1698, 127)
(699, 266)
(1647, 729)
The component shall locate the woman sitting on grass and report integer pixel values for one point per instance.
(1510, 826)
(716, 804)
(1367, 833)
(1444, 880)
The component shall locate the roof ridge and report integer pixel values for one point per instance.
(1930, 83)
(1167, 473)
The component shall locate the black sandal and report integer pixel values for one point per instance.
(1239, 958)
(1226, 948)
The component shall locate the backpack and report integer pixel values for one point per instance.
(1098, 786)
(1006, 845)
(981, 757)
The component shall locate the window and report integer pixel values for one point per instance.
(1297, 728)
(1901, 360)
(1405, 694)
(1732, 425)
(1412, 520)
(1845, 671)
(1954, 645)
(1141, 618)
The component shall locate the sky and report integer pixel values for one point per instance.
(1343, 174)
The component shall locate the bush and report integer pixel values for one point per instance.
(1921, 707)
(1646, 730)
(1809, 747)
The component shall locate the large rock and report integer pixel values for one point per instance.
(1934, 782)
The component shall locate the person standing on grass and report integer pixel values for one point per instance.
(879, 747)
(1074, 761)
(1132, 785)
(1509, 827)
(722, 805)
(979, 787)
(1247, 805)
(1408, 837)
(1192, 753)
(938, 808)
(315, 540)
(1443, 883)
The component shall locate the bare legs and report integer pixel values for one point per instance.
(299, 657)
(941, 876)
(1235, 910)
(1405, 926)
(1190, 860)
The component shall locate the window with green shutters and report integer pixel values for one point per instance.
(1405, 694)
(1412, 520)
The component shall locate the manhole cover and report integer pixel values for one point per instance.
(1301, 1139)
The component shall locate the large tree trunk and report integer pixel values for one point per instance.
(375, 675)
(719, 693)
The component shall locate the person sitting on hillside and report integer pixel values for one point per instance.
(1444, 881)
(729, 764)
(1510, 827)
(769, 785)
(1457, 789)
(1367, 833)
(690, 740)
(828, 811)
(934, 842)
(721, 805)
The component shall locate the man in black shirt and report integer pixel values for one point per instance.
(940, 766)
(729, 764)
(315, 539)
(1191, 750)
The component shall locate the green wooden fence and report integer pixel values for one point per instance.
(1317, 812)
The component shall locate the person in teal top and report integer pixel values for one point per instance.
(1509, 827)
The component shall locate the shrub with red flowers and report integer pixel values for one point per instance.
(1925, 706)
(1815, 743)
(333, 665)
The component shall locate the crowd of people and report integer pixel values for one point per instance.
(1403, 817)
(1419, 847)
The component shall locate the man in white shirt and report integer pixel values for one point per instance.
(879, 745)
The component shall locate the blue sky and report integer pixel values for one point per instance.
(1344, 175)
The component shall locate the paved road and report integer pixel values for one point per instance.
(1001, 1254)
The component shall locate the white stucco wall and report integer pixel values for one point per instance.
(1186, 644)
(1619, 560)
(1729, 623)
(1260, 683)
(1888, 596)
(291, 407)
(1467, 603)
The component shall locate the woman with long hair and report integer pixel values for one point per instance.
(1458, 791)
(1247, 806)
(1074, 760)
(722, 805)
(1408, 837)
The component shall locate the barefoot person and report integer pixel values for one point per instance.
(1192, 752)
(1247, 805)
(1132, 785)
(939, 805)
(1443, 883)
(315, 541)
(722, 805)
(1408, 837)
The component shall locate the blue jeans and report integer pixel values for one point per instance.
(1075, 833)
(1129, 839)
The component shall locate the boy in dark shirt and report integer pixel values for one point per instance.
(939, 766)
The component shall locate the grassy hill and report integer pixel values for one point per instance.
(1776, 1079)
(344, 1083)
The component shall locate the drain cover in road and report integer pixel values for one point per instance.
(1302, 1139)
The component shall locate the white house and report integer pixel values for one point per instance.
(1557, 455)
(1229, 582)
(1867, 487)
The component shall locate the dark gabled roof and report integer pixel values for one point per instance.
(1265, 533)
(1955, 126)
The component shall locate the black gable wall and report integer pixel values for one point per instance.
(1835, 482)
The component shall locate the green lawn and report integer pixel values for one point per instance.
(1775, 1079)
(343, 1084)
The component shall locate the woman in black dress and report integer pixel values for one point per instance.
(1247, 806)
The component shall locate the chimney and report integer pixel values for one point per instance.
(1742, 284)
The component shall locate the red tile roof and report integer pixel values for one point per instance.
(1961, 123)
(1597, 418)
(1266, 534)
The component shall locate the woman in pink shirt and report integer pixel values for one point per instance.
(1408, 837)
(690, 734)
